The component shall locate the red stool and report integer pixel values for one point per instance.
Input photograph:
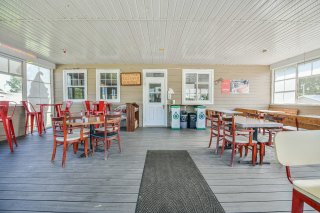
(7, 122)
(32, 114)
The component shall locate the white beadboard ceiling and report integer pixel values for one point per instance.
(161, 31)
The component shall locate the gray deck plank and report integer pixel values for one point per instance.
(29, 182)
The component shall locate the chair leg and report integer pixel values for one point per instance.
(240, 150)
(12, 134)
(54, 151)
(92, 145)
(210, 138)
(86, 147)
(254, 154)
(222, 147)
(8, 134)
(105, 149)
(233, 153)
(119, 145)
(64, 155)
(31, 123)
(297, 203)
(246, 149)
(75, 148)
(27, 124)
(261, 152)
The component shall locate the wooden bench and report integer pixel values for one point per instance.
(248, 112)
(289, 111)
(308, 122)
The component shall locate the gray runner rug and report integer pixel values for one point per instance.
(172, 182)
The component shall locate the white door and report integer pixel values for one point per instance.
(155, 99)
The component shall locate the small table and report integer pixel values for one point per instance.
(245, 122)
(41, 120)
(92, 121)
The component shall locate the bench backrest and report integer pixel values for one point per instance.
(290, 111)
(298, 148)
(311, 123)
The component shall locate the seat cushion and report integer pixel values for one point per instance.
(240, 139)
(310, 188)
(101, 135)
(70, 137)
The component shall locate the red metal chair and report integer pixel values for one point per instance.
(300, 148)
(238, 138)
(7, 122)
(33, 114)
(88, 110)
(100, 108)
(67, 108)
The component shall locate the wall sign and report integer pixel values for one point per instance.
(130, 79)
(240, 86)
(225, 87)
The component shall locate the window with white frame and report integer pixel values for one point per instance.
(75, 85)
(108, 85)
(297, 84)
(10, 79)
(197, 86)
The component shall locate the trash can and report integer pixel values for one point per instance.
(183, 119)
(201, 117)
(175, 116)
(192, 119)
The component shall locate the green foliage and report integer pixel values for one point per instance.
(15, 84)
(309, 86)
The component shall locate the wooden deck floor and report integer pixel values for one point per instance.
(29, 182)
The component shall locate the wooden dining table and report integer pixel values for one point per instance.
(90, 121)
(245, 122)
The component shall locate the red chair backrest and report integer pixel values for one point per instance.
(87, 105)
(25, 105)
(101, 106)
(68, 106)
(4, 108)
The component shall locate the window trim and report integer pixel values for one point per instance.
(211, 87)
(65, 93)
(98, 72)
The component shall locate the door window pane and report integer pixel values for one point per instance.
(155, 93)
